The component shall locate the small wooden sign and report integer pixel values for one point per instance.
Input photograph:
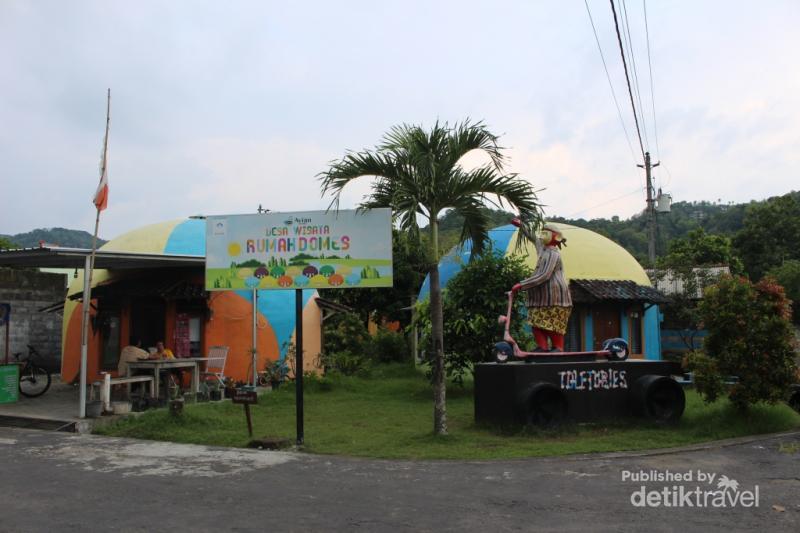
(246, 397)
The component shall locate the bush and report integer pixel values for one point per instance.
(345, 332)
(388, 346)
(473, 300)
(749, 336)
(788, 275)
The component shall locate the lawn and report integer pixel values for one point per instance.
(389, 415)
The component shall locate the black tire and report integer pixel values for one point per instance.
(617, 348)
(658, 398)
(794, 399)
(33, 381)
(543, 405)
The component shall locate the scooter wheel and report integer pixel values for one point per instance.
(502, 352)
(617, 349)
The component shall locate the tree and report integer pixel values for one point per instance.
(686, 262)
(750, 337)
(788, 275)
(418, 175)
(771, 234)
(6, 244)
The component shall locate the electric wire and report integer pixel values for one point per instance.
(627, 77)
(601, 204)
(610, 85)
(636, 86)
(650, 68)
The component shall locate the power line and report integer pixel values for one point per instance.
(636, 87)
(638, 189)
(627, 77)
(650, 67)
(610, 85)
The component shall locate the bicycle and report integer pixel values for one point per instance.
(33, 379)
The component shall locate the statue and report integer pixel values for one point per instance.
(547, 293)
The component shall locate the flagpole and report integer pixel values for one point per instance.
(87, 276)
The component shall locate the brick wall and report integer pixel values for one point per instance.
(27, 291)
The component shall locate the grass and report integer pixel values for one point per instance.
(389, 415)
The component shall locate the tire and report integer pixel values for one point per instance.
(794, 399)
(543, 405)
(33, 381)
(617, 348)
(658, 398)
(503, 352)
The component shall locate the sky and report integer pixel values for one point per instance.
(219, 107)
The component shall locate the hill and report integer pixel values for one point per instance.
(68, 238)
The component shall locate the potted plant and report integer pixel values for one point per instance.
(275, 372)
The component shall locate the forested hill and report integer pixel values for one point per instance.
(714, 218)
(68, 238)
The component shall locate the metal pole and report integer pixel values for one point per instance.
(651, 210)
(298, 372)
(255, 336)
(87, 295)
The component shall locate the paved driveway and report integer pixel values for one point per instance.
(61, 482)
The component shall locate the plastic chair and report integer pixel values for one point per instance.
(215, 366)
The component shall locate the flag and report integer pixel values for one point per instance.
(101, 196)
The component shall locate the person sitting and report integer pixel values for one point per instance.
(162, 352)
(129, 354)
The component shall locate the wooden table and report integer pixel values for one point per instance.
(157, 365)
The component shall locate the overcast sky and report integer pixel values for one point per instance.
(218, 107)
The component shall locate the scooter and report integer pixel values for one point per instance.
(613, 349)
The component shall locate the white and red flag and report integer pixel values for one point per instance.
(101, 196)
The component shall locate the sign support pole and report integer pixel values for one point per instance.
(298, 372)
(255, 336)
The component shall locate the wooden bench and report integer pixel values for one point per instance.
(105, 386)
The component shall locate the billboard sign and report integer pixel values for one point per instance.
(302, 250)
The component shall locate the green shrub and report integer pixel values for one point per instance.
(473, 300)
(387, 346)
(749, 336)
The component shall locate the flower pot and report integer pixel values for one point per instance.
(275, 384)
(215, 395)
(94, 409)
(176, 407)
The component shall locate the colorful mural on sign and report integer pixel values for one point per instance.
(315, 249)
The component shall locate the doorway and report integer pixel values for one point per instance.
(148, 320)
(606, 325)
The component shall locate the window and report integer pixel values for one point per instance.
(636, 332)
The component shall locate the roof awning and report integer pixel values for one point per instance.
(598, 290)
(168, 289)
(57, 257)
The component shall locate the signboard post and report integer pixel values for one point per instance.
(345, 249)
(247, 398)
(5, 320)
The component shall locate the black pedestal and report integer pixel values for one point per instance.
(542, 394)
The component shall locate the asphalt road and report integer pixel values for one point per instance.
(62, 482)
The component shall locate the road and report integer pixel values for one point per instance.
(63, 482)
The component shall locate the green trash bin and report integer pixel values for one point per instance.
(9, 383)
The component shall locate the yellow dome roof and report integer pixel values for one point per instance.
(589, 255)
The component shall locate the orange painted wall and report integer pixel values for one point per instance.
(71, 359)
(231, 325)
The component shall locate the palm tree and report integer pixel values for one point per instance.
(417, 174)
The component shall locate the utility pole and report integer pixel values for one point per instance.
(651, 210)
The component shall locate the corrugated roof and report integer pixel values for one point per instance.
(57, 257)
(596, 290)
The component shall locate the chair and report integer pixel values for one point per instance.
(215, 366)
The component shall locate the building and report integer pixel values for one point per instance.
(165, 299)
(612, 295)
